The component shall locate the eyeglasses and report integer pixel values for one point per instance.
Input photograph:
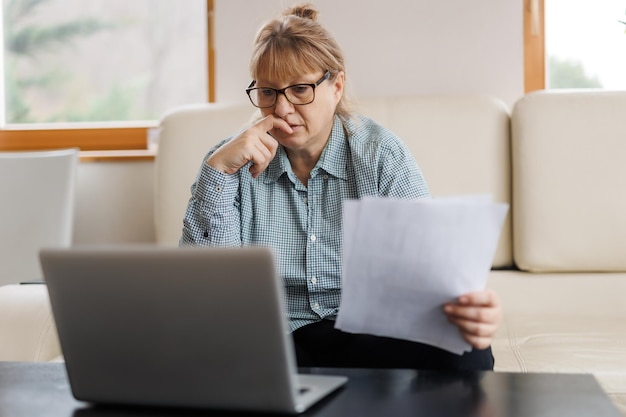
(298, 94)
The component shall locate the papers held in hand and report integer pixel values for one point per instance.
(404, 259)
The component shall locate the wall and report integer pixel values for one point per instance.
(392, 47)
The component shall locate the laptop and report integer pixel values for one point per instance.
(180, 327)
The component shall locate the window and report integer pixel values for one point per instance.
(583, 44)
(97, 73)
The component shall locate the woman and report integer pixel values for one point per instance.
(281, 182)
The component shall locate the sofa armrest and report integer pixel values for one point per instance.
(27, 329)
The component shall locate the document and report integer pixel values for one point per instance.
(404, 259)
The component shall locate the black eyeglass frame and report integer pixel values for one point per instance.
(282, 91)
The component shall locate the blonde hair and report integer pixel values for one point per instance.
(297, 44)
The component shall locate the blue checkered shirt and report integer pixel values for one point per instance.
(303, 223)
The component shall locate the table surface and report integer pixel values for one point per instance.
(42, 389)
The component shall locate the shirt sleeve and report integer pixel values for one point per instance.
(213, 216)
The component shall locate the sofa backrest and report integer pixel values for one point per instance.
(460, 142)
(185, 136)
(569, 177)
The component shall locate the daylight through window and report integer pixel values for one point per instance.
(585, 44)
(101, 60)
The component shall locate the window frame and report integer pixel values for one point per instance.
(135, 138)
(534, 46)
(98, 138)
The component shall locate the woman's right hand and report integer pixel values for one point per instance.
(254, 145)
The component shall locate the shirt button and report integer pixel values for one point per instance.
(313, 280)
(316, 306)
(326, 176)
(218, 189)
(304, 199)
(313, 238)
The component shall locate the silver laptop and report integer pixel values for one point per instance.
(182, 327)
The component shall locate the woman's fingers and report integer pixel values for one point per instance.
(477, 315)
(254, 145)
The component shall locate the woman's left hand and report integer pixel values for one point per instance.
(477, 315)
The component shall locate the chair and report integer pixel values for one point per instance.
(37, 209)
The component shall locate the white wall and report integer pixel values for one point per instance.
(392, 47)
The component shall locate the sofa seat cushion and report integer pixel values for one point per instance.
(27, 330)
(564, 323)
(565, 344)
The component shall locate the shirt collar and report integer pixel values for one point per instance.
(278, 166)
(334, 158)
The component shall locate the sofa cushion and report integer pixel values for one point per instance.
(27, 330)
(461, 143)
(569, 178)
(564, 323)
(185, 136)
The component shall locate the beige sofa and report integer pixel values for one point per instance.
(557, 158)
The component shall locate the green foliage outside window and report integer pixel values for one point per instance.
(25, 41)
(564, 73)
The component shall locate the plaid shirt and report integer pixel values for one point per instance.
(303, 223)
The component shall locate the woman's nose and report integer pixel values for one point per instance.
(283, 106)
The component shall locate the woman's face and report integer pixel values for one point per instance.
(311, 123)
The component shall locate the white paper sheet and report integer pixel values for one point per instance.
(404, 259)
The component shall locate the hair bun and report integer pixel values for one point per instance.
(305, 11)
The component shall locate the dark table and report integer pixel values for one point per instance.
(42, 389)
